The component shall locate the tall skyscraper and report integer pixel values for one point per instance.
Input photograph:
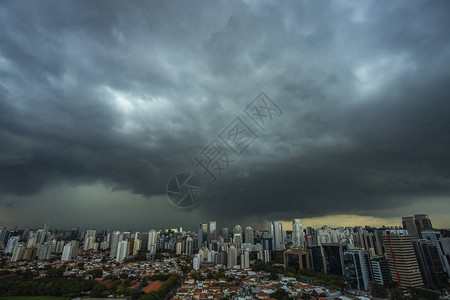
(249, 235)
(402, 259)
(74, 235)
(136, 246)
(46, 227)
(89, 239)
(18, 253)
(67, 252)
(225, 232)
(231, 257)
(333, 256)
(237, 229)
(212, 231)
(116, 237)
(245, 259)
(380, 270)
(410, 225)
(435, 237)
(122, 250)
(297, 258)
(316, 260)
(189, 249)
(357, 269)
(3, 231)
(196, 262)
(430, 263)
(202, 234)
(276, 231)
(12, 243)
(45, 251)
(298, 237)
(416, 224)
(152, 241)
(422, 223)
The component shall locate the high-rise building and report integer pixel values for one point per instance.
(45, 251)
(46, 227)
(212, 231)
(3, 231)
(422, 223)
(225, 232)
(249, 235)
(67, 252)
(59, 247)
(12, 243)
(357, 269)
(410, 225)
(196, 262)
(202, 234)
(435, 237)
(18, 253)
(89, 242)
(74, 235)
(189, 249)
(402, 259)
(153, 237)
(276, 231)
(90, 233)
(232, 257)
(297, 258)
(136, 246)
(179, 248)
(416, 224)
(333, 256)
(267, 242)
(122, 250)
(316, 260)
(245, 259)
(75, 248)
(298, 236)
(237, 229)
(116, 238)
(380, 270)
(430, 263)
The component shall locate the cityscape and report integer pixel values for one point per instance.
(232, 149)
(213, 262)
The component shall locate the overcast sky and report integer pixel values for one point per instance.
(101, 103)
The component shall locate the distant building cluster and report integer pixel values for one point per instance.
(414, 255)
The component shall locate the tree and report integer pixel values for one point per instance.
(280, 294)
(306, 296)
(99, 291)
(56, 272)
(378, 290)
(397, 294)
(273, 276)
(96, 273)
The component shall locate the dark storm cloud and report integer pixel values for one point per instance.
(125, 93)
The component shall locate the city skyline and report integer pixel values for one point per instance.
(287, 225)
(343, 104)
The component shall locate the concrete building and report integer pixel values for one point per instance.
(430, 263)
(357, 269)
(67, 252)
(297, 258)
(298, 236)
(380, 270)
(402, 260)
